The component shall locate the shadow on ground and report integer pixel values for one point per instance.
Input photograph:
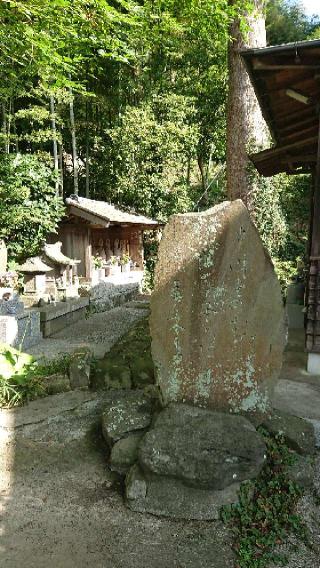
(62, 508)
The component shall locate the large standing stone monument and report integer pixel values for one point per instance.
(217, 317)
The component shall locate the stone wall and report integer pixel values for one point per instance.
(108, 295)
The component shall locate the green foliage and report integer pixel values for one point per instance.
(266, 207)
(287, 272)
(286, 21)
(150, 152)
(280, 207)
(149, 83)
(21, 377)
(18, 380)
(29, 206)
(265, 514)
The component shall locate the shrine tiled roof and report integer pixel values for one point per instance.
(107, 212)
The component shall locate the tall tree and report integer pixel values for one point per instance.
(246, 128)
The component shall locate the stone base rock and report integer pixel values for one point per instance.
(124, 453)
(298, 433)
(125, 412)
(168, 497)
(202, 448)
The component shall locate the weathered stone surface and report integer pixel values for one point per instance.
(169, 497)
(202, 448)
(217, 318)
(125, 411)
(298, 433)
(124, 453)
(79, 370)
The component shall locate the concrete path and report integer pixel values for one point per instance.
(298, 392)
(99, 332)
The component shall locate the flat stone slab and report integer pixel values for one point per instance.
(168, 497)
(43, 409)
(298, 398)
(55, 419)
(99, 333)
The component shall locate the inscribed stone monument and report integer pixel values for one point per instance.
(217, 317)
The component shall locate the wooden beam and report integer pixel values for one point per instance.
(278, 150)
(299, 133)
(300, 124)
(259, 66)
(303, 159)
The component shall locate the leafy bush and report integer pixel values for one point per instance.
(21, 378)
(18, 378)
(29, 206)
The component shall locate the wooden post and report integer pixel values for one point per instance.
(313, 291)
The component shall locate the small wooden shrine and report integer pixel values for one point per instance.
(286, 79)
(97, 229)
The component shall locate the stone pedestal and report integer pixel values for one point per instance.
(8, 329)
(3, 257)
(313, 364)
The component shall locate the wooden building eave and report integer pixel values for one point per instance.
(92, 218)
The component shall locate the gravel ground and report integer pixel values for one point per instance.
(99, 332)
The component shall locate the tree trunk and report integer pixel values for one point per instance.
(54, 138)
(15, 132)
(74, 147)
(87, 153)
(4, 128)
(246, 128)
(61, 170)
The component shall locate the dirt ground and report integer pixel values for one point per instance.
(60, 506)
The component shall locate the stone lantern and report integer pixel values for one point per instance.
(34, 271)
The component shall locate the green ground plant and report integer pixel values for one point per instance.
(54, 366)
(19, 382)
(21, 377)
(266, 512)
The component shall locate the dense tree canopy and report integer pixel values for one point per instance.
(29, 206)
(126, 101)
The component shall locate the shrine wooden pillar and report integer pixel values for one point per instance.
(313, 285)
